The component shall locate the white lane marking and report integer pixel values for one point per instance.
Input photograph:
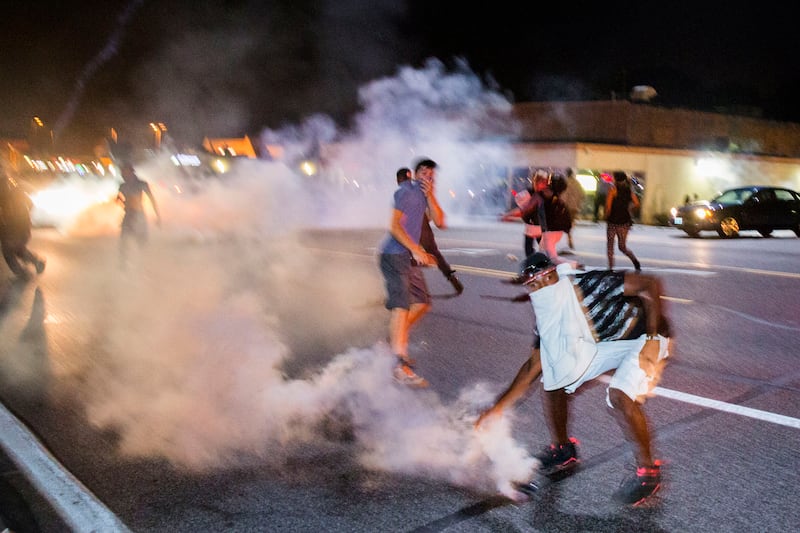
(485, 271)
(703, 273)
(677, 300)
(789, 327)
(754, 318)
(758, 414)
(468, 251)
(681, 396)
(766, 416)
(648, 270)
(700, 269)
(73, 502)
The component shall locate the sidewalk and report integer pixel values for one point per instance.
(22, 509)
(37, 494)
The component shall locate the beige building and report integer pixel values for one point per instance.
(676, 152)
(230, 147)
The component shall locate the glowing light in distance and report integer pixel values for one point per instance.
(587, 181)
(64, 202)
(221, 166)
(710, 167)
(185, 160)
(308, 168)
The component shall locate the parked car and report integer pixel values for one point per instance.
(756, 207)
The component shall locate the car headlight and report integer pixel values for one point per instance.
(673, 212)
(702, 213)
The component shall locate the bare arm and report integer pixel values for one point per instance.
(512, 214)
(609, 200)
(526, 375)
(435, 212)
(528, 205)
(399, 232)
(648, 288)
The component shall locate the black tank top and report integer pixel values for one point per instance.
(620, 207)
(613, 315)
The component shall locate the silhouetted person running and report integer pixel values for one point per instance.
(15, 229)
(134, 223)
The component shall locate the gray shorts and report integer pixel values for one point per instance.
(405, 283)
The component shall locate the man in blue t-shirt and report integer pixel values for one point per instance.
(428, 241)
(407, 293)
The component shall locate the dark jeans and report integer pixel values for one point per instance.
(428, 242)
(15, 250)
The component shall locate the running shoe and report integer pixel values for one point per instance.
(635, 489)
(455, 282)
(559, 457)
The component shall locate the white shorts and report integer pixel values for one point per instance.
(629, 377)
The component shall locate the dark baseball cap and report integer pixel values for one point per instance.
(533, 266)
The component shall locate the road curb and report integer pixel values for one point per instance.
(71, 500)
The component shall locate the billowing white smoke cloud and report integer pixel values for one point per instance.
(418, 113)
(221, 343)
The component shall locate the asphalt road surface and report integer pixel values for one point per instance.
(237, 384)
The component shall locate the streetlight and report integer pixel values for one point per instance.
(158, 129)
(41, 138)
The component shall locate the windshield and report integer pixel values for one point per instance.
(734, 196)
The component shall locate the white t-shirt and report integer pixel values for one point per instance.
(567, 345)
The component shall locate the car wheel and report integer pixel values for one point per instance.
(693, 234)
(765, 232)
(728, 227)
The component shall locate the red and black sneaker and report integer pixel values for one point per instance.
(637, 488)
(559, 458)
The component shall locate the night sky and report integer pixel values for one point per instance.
(233, 67)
